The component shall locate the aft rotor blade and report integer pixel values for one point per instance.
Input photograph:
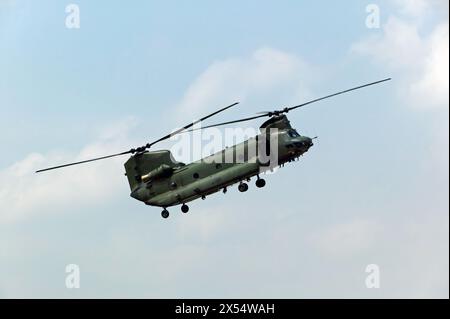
(189, 125)
(81, 162)
(229, 122)
(142, 148)
(338, 93)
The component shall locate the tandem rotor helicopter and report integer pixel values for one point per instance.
(156, 179)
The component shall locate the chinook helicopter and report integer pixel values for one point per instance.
(156, 179)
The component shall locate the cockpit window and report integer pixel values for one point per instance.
(293, 133)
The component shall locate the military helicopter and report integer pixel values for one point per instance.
(156, 179)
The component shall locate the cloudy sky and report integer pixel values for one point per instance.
(373, 190)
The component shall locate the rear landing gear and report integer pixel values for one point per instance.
(260, 183)
(243, 187)
(165, 213)
(184, 208)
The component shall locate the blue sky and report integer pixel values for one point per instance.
(374, 189)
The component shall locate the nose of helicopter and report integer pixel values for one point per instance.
(304, 142)
(308, 141)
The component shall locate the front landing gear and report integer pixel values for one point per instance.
(165, 213)
(184, 208)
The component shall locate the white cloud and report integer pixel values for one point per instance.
(434, 83)
(400, 46)
(417, 58)
(414, 8)
(237, 79)
(420, 9)
(344, 239)
(23, 193)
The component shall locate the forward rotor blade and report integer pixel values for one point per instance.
(285, 110)
(225, 123)
(81, 162)
(189, 125)
(338, 93)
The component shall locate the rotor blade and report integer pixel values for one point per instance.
(142, 148)
(189, 125)
(225, 123)
(269, 114)
(81, 162)
(338, 93)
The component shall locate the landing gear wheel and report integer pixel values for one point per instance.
(165, 213)
(184, 208)
(243, 187)
(260, 183)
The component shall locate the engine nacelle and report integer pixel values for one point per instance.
(161, 171)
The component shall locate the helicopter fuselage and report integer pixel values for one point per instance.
(156, 179)
(173, 183)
